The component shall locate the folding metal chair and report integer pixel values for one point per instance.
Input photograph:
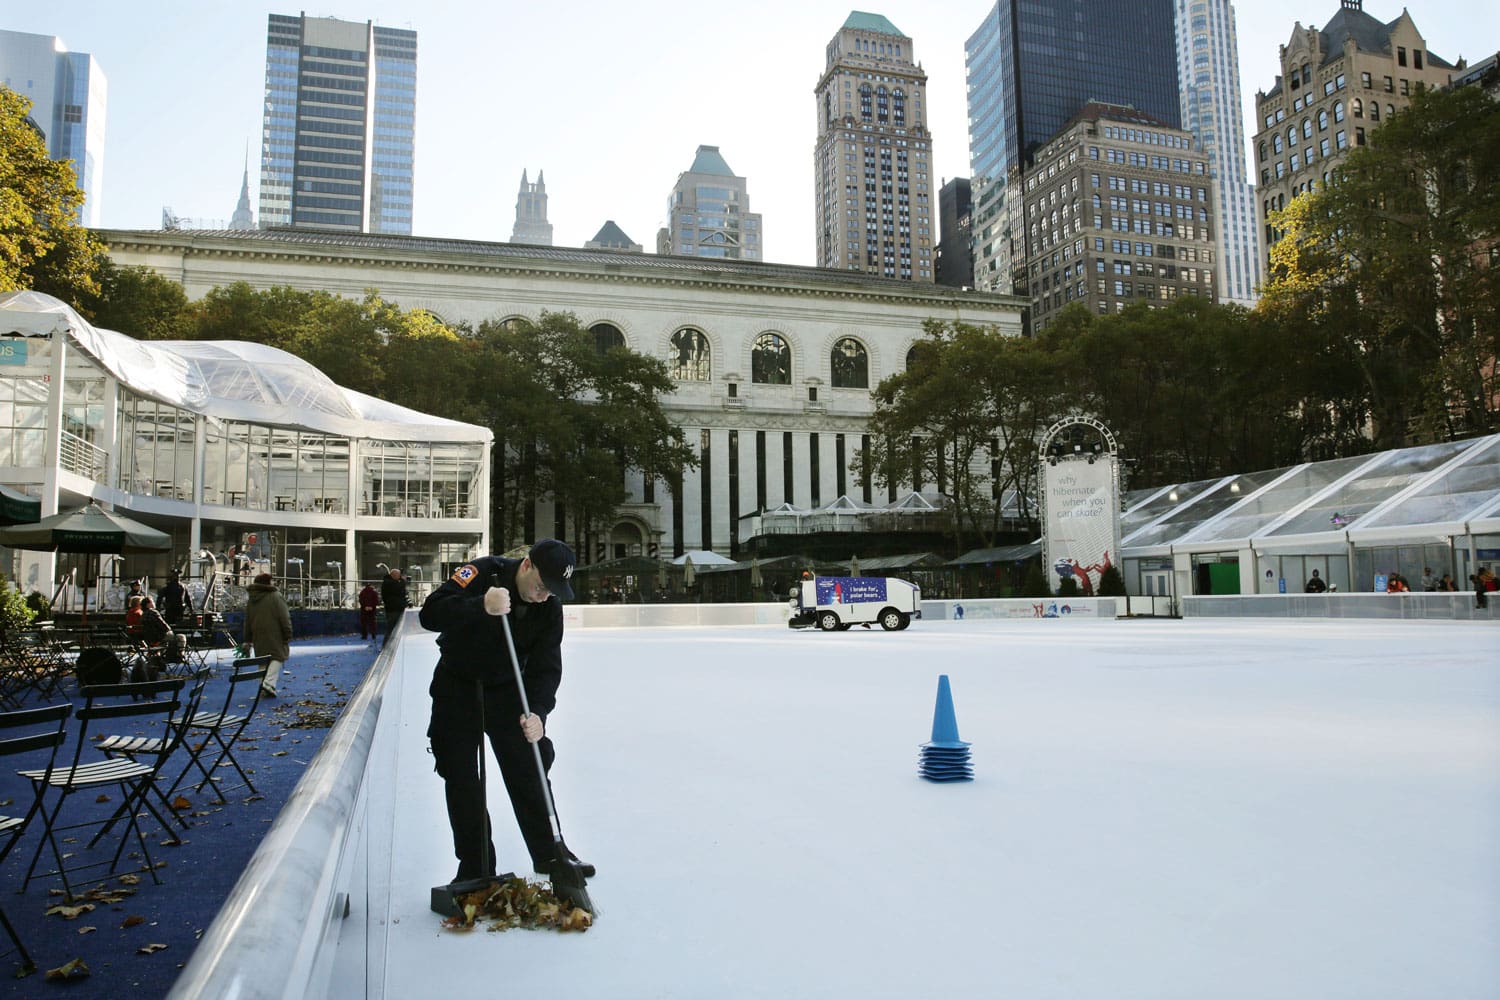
(51, 724)
(164, 746)
(224, 726)
(105, 702)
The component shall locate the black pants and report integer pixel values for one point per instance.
(454, 732)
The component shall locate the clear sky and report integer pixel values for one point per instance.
(610, 100)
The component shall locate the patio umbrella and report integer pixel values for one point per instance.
(755, 581)
(91, 530)
(18, 508)
(687, 572)
(661, 574)
(854, 565)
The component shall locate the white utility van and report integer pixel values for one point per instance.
(834, 603)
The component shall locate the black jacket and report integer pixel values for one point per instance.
(473, 642)
(393, 595)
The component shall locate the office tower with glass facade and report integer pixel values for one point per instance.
(708, 213)
(339, 131)
(531, 213)
(874, 155)
(1208, 74)
(1032, 67)
(68, 95)
(1335, 86)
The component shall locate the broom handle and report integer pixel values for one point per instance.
(536, 750)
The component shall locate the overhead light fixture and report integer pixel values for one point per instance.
(1234, 487)
(1172, 496)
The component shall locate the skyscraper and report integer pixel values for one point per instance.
(243, 218)
(874, 155)
(1030, 69)
(955, 251)
(708, 213)
(1208, 74)
(68, 94)
(531, 213)
(339, 125)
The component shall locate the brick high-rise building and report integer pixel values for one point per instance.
(1335, 86)
(1117, 208)
(874, 184)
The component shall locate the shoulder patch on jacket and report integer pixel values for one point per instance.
(465, 574)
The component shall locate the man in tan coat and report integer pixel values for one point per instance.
(268, 628)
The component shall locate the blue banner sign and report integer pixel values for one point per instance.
(12, 352)
(850, 589)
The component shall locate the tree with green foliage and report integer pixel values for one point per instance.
(965, 414)
(42, 245)
(1111, 583)
(15, 613)
(1396, 254)
(140, 303)
(568, 422)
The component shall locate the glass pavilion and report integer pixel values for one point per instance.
(251, 459)
(1355, 520)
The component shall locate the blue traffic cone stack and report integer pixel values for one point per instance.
(946, 758)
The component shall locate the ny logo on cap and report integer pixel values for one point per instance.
(568, 572)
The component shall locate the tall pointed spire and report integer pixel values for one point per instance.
(243, 219)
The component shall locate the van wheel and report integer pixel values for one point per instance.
(891, 619)
(905, 620)
(845, 626)
(828, 621)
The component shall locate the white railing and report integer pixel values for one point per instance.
(83, 459)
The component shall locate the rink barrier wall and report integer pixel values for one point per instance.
(1452, 606)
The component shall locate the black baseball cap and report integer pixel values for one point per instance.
(555, 561)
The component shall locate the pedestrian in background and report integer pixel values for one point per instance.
(1315, 584)
(369, 603)
(268, 629)
(393, 595)
(173, 600)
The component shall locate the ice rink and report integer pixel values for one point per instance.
(1161, 809)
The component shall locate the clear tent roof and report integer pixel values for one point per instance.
(1429, 490)
(230, 380)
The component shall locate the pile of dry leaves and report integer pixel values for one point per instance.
(516, 902)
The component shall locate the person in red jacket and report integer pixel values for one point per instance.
(369, 604)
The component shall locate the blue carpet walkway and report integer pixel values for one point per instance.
(117, 939)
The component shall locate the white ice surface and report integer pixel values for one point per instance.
(1193, 809)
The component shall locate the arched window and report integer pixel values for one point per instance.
(1307, 128)
(1390, 111)
(866, 96)
(690, 356)
(1291, 136)
(898, 106)
(1374, 111)
(1276, 143)
(770, 361)
(919, 352)
(1338, 111)
(1262, 152)
(850, 364)
(882, 105)
(607, 336)
(1358, 107)
(1322, 120)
